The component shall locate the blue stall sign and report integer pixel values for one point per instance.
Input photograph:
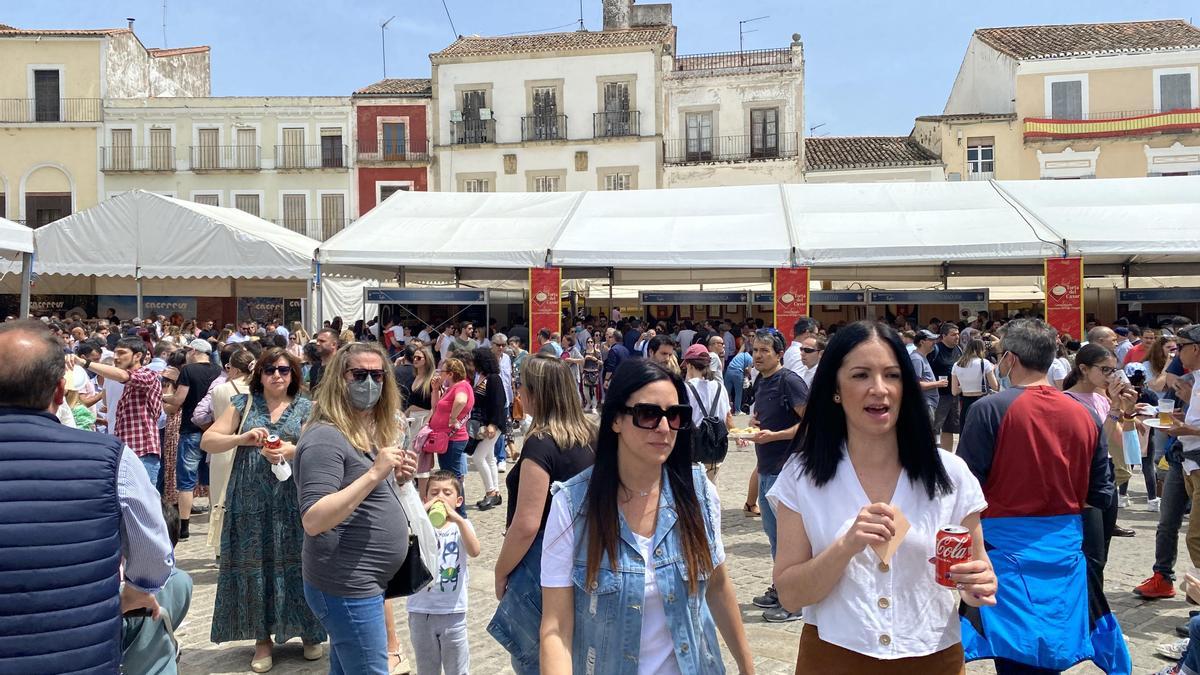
(764, 298)
(1158, 295)
(837, 297)
(425, 296)
(927, 297)
(693, 298)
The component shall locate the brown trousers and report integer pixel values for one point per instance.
(818, 657)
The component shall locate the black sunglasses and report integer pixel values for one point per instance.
(283, 371)
(809, 350)
(648, 416)
(361, 374)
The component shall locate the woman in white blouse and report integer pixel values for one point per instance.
(972, 377)
(866, 472)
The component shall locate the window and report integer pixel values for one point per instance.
(208, 152)
(764, 132)
(45, 208)
(250, 203)
(980, 159)
(331, 149)
(333, 214)
(293, 149)
(209, 199)
(618, 181)
(386, 191)
(476, 185)
(394, 143)
(1175, 91)
(544, 124)
(47, 99)
(162, 151)
(545, 184)
(295, 213)
(247, 148)
(122, 150)
(474, 129)
(1066, 100)
(699, 136)
(617, 116)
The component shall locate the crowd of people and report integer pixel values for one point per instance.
(610, 434)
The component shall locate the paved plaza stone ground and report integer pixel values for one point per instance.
(1146, 624)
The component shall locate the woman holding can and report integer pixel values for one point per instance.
(260, 590)
(860, 506)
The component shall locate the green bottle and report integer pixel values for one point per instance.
(437, 514)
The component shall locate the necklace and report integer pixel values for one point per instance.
(640, 493)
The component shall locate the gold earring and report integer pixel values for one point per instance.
(837, 398)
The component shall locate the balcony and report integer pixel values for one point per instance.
(323, 228)
(146, 158)
(310, 156)
(29, 110)
(728, 149)
(225, 158)
(544, 128)
(392, 150)
(463, 132)
(1116, 123)
(616, 124)
(981, 175)
(727, 60)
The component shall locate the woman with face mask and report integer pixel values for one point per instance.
(260, 592)
(350, 465)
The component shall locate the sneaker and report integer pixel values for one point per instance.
(501, 466)
(1184, 630)
(768, 600)
(1170, 670)
(1157, 586)
(1152, 504)
(780, 615)
(1122, 501)
(1172, 650)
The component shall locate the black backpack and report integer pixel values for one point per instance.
(710, 439)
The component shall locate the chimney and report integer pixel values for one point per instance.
(617, 14)
(130, 20)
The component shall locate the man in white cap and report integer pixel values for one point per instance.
(194, 380)
(499, 348)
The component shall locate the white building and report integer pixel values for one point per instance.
(285, 159)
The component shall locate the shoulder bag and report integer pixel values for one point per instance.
(414, 573)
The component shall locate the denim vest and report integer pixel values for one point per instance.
(608, 612)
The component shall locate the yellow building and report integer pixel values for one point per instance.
(1102, 100)
(53, 84)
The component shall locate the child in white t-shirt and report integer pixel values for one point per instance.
(437, 614)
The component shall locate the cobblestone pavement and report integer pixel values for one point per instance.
(1146, 624)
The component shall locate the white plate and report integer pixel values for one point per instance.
(744, 437)
(1153, 423)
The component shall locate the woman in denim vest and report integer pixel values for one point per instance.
(633, 572)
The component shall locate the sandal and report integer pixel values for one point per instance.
(401, 667)
(750, 510)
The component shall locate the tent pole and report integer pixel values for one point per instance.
(611, 276)
(26, 283)
(319, 300)
(138, 277)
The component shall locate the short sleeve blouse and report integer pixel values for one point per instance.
(886, 612)
(440, 420)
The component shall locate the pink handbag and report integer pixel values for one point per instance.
(434, 442)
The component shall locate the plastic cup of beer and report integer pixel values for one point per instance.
(1166, 411)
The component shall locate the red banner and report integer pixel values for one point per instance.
(545, 306)
(1064, 295)
(791, 298)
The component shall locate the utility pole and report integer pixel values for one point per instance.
(383, 44)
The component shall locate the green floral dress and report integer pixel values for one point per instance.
(260, 591)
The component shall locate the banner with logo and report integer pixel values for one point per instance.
(1064, 295)
(177, 309)
(64, 306)
(791, 298)
(545, 308)
(260, 309)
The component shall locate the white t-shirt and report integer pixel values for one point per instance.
(1192, 419)
(397, 334)
(1059, 370)
(447, 593)
(970, 377)
(919, 616)
(685, 338)
(792, 358)
(423, 336)
(657, 654)
(707, 389)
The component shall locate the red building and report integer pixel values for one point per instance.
(393, 139)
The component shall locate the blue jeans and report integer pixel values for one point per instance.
(453, 459)
(357, 635)
(187, 462)
(153, 464)
(501, 442)
(1191, 656)
(146, 647)
(518, 617)
(765, 481)
(733, 386)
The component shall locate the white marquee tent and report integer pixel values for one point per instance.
(16, 249)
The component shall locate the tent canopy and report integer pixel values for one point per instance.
(15, 238)
(145, 235)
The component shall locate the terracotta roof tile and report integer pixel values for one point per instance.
(176, 51)
(417, 86)
(956, 117)
(542, 42)
(1052, 41)
(10, 31)
(865, 152)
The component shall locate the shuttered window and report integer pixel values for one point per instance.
(47, 96)
(1066, 100)
(208, 153)
(393, 140)
(249, 203)
(247, 148)
(162, 151)
(333, 215)
(295, 213)
(122, 150)
(293, 149)
(1175, 91)
(210, 200)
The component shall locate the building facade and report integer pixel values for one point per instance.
(284, 159)
(392, 147)
(1102, 100)
(53, 85)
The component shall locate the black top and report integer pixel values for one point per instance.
(560, 464)
(775, 401)
(197, 377)
(405, 374)
(314, 375)
(943, 358)
(418, 398)
(490, 400)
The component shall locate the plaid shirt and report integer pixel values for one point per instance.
(138, 411)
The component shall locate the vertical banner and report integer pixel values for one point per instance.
(545, 309)
(1064, 295)
(791, 298)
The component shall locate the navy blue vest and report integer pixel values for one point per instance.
(60, 547)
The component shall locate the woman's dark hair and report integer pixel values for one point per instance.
(242, 359)
(822, 435)
(1090, 354)
(278, 340)
(310, 352)
(600, 510)
(177, 359)
(485, 362)
(268, 358)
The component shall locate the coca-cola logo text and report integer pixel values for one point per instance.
(953, 548)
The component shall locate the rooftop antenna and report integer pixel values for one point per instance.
(164, 23)
(581, 16)
(742, 30)
(383, 44)
(814, 128)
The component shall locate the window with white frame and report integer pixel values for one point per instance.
(207, 198)
(386, 190)
(546, 184)
(1174, 91)
(476, 185)
(1066, 100)
(981, 158)
(618, 181)
(295, 212)
(250, 203)
(333, 214)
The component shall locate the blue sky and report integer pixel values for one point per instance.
(870, 66)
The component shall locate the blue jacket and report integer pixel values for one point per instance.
(608, 623)
(60, 547)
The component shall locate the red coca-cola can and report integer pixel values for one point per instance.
(953, 547)
(273, 442)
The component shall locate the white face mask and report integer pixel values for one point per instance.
(364, 395)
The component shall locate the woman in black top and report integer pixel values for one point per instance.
(420, 394)
(557, 446)
(489, 413)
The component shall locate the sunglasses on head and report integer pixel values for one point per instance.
(283, 371)
(361, 374)
(648, 416)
